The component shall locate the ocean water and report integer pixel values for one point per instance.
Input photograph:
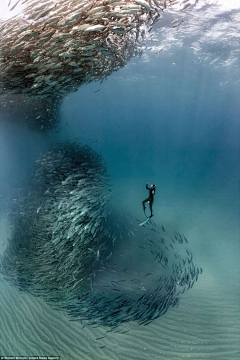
(170, 118)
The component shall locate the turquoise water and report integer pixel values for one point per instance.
(171, 119)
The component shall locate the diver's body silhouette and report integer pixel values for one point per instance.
(152, 191)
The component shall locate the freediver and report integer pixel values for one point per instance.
(152, 191)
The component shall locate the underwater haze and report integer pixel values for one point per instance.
(169, 117)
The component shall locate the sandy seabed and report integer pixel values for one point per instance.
(206, 325)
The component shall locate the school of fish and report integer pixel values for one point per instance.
(68, 246)
(53, 47)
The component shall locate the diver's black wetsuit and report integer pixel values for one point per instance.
(152, 191)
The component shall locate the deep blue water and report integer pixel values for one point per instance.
(174, 125)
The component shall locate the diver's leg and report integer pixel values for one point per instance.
(150, 205)
(144, 201)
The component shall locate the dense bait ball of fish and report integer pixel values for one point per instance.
(99, 266)
(54, 222)
(55, 46)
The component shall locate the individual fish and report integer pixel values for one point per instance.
(13, 7)
(177, 24)
(186, 6)
(95, 28)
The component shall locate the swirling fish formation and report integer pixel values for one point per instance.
(61, 211)
(69, 249)
(56, 46)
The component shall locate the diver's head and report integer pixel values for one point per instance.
(153, 186)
